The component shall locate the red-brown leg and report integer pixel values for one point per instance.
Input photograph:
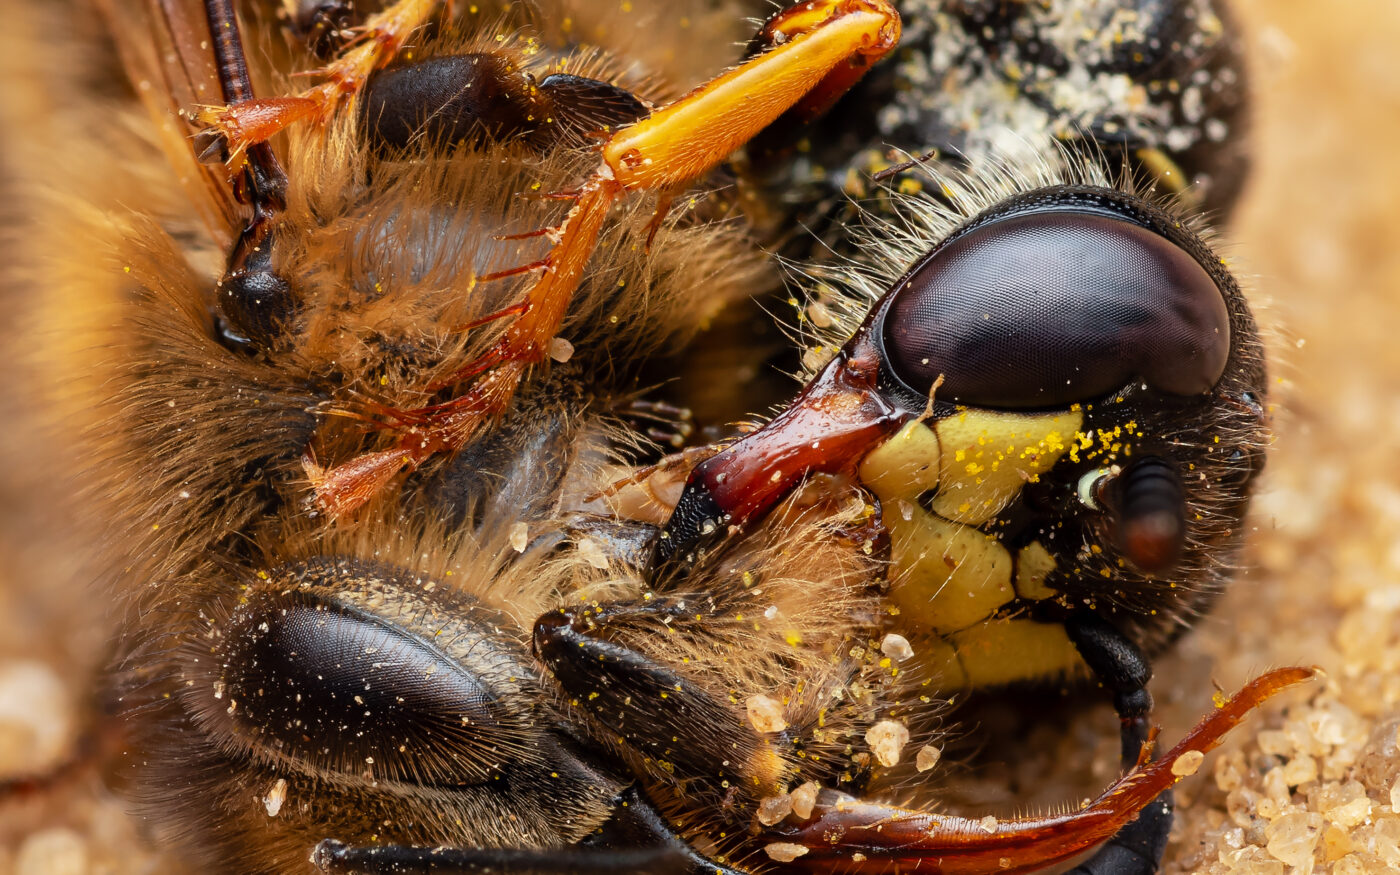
(861, 836)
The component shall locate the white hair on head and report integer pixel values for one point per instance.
(917, 208)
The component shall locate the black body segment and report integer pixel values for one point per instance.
(484, 97)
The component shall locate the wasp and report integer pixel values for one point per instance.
(369, 377)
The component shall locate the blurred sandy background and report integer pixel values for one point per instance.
(1309, 786)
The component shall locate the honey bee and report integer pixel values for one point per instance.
(372, 336)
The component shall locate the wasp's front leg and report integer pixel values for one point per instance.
(667, 149)
(1122, 668)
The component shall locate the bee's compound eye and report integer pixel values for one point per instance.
(351, 693)
(1052, 307)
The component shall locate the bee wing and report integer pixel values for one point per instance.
(167, 51)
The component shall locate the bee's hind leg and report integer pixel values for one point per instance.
(1124, 670)
(245, 123)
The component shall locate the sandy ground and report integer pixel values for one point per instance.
(1312, 784)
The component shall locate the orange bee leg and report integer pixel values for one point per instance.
(667, 149)
(249, 122)
(861, 836)
(240, 125)
(681, 141)
(658, 218)
(797, 20)
(347, 487)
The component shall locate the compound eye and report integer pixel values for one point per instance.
(1053, 307)
(346, 692)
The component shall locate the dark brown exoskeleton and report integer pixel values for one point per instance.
(400, 597)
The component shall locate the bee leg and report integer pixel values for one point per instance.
(637, 824)
(639, 700)
(255, 121)
(1121, 667)
(735, 753)
(857, 836)
(255, 302)
(335, 858)
(636, 839)
(673, 145)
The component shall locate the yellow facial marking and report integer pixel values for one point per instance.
(1033, 564)
(1003, 651)
(987, 456)
(904, 466)
(938, 658)
(946, 576)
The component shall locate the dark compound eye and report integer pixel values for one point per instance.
(329, 686)
(1052, 307)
